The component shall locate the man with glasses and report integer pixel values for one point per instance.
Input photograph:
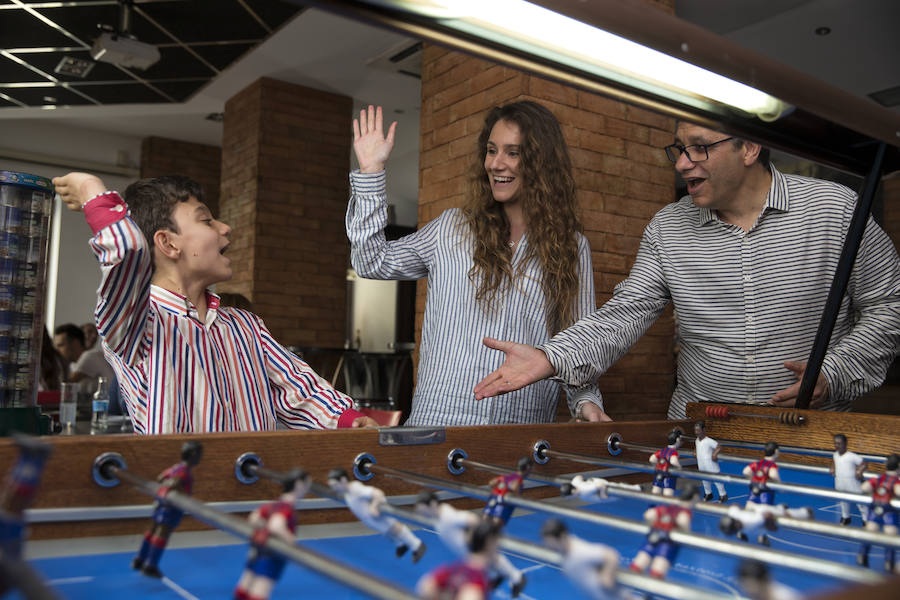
(747, 258)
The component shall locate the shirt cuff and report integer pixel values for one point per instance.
(347, 417)
(103, 210)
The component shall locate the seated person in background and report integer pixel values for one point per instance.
(747, 259)
(54, 368)
(90, 334)
(185, 363)
(84, 365)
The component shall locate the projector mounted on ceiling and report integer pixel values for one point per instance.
(124, 51)
(119, 47)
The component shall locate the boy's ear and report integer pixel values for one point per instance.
(165, 242)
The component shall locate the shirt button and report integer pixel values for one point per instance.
(749, 360)
(749, 319)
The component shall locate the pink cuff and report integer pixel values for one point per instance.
(103, 210)
(347, 417)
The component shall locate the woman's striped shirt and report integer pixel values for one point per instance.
(452, 358)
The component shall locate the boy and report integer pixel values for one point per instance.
(185, 363)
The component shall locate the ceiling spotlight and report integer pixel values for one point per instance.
(50, 100)
(823, 30)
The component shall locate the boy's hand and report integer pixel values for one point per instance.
(365, 422)
(371, 146)
(77, 188)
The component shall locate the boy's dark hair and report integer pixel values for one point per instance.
(770, 449)
(673, 436)
(72, 331)
(151, 202)
(840, 436)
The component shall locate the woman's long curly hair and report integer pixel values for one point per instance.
(547, 194)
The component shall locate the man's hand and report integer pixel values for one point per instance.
(787, 397)
(75, 189)
(590, 412)
(372, 148)
(524, 365)
(367, 422)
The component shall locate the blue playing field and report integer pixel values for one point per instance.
(212, 572)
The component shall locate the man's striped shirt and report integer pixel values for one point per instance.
(452, 358)
(748, 301)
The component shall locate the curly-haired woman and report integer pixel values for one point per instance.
(512, 264)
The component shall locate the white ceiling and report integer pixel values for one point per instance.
(316, 49)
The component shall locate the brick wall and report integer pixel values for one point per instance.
(623, 178)
(284, 192)
(163, 156)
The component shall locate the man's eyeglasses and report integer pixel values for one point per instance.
(695, 153)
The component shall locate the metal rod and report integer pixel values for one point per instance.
(807, 490)
(786, 449)
(345, 575)
(840, 531)
(839, 284)
(857, 534)
(539, 553)
(785, 559)
(738, 459)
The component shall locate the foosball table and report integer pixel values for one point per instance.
(90, 511)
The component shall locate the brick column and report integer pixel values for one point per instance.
(623, 179)
(286, 151)
(202, 163)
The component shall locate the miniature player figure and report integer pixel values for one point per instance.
(754, 579)
(502, 486)
(465, 579)
(659, 551)
(754, 520)
(760, 473)
(707, 450)
(365, 501)
(883, 488)
(454, 528)
(593, 489)
(848, 469)
(590, 567)
(166, 517)
(663, 482)
(19, 490)
(278, 519)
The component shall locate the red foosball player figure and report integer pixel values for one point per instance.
(18, 493)
(883, 488)
(365, 501)
(466, 579)
(502, 486)
(760, 473)
(589, 566)
(275, 519)
(663, 481)
(166, 517)
(659, 551)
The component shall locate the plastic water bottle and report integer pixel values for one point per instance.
(100, 416)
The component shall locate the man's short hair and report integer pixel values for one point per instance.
(151, 202)
(72, 331)
(770, 449)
